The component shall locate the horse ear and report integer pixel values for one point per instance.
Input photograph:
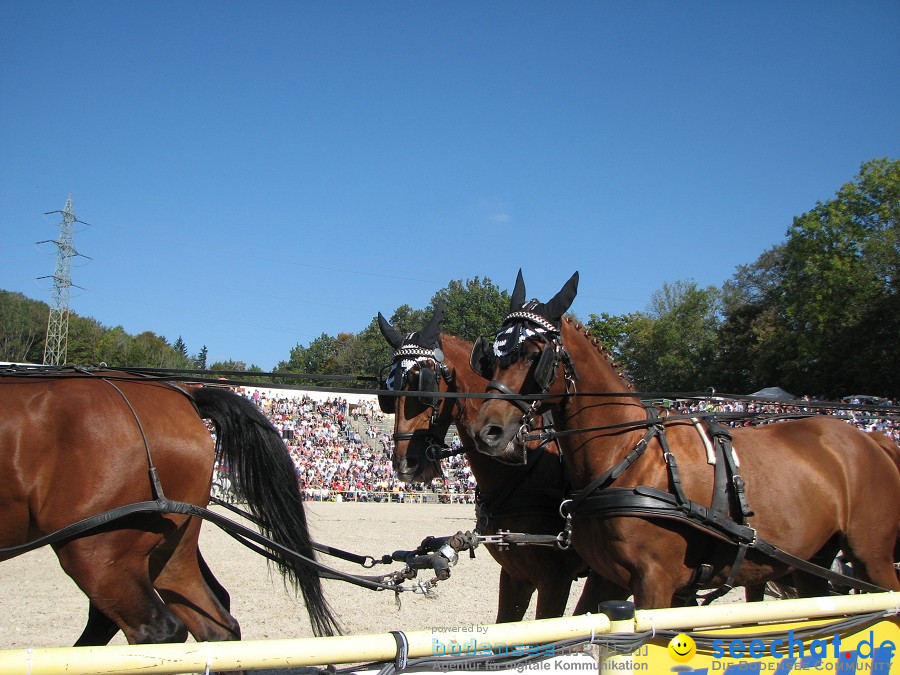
(390, 333)
(561, 302)
(518, 294)
(430, 335)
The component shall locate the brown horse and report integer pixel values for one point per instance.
(515, 498)
(75, 443)
(816, 485)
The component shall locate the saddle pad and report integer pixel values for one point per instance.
(707, 444)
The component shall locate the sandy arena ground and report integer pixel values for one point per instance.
(41, 607)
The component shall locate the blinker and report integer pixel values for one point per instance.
(481, 361)
(386, 403)
(543, 372)
(427, 385)
(426, 388)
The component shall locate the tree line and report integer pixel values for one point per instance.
(818, 313)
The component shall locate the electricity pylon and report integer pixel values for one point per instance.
(56, 345)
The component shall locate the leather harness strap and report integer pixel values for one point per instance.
(599, 500)
(513, 501)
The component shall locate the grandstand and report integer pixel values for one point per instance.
(342, 445)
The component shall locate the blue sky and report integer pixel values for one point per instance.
(258, 173)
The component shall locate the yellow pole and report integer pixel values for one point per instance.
(169, 659)
(261, 654)
(753, 612)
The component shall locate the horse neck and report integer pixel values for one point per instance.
(591, 453)
(490, 474)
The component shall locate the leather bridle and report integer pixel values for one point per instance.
(545, 371)
(436, 447)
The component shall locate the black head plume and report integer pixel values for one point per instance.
(518, 294)
(552, 310)
(430, 336)
(390, 333)
(561, 302)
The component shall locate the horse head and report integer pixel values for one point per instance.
(528, 359)
(422, 417)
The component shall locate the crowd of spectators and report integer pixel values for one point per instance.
(342, 451)
(861, 413)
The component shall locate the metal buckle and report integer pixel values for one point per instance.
(522, 433)
(564, 538)
(752, 541)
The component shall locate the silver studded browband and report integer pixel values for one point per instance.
(533, 318)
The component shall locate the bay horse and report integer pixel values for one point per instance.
(77, 442)
(513, 498)
(808, 487)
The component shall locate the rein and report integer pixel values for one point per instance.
(437, 553)
(438, 556)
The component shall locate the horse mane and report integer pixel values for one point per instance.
(603, 350)
(462, 370)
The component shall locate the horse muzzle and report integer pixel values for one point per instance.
(499, 441)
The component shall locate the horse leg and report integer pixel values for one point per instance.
(655, 587)
(215, 586)
(553, 594)
(514, 596)
(98, 631)
(596, 590)
(811, 585)
(755, 593)
(111, 570)
(871, 538)
(877, 567)
(184, 585)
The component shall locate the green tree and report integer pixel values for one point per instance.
(612, 330)
(841, 286)
(472, 308)
(365, 353)
(200, 359)
(180, 347)
(752, 346)
(114, 347)
(149, 350)
(23, 328)
(85, 338)
(406, 319)
(228, 365)
(673, 346)
(820, 313)
(319, 358)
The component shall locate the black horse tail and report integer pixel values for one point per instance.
(263, 474)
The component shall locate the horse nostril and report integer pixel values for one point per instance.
(491, 433)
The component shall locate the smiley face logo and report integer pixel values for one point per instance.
(682, 648)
